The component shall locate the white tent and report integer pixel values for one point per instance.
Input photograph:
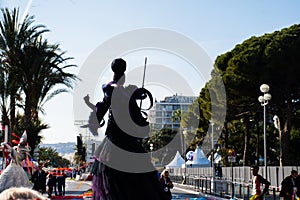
(177, 161)
(199, 159)
(217, 158)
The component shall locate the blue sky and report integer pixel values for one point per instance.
(81, 26)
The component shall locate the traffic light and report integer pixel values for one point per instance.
(79, 145)
(80, 148)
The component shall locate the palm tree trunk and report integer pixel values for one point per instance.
(12, 109)
(27, 114)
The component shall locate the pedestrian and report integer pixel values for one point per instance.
(73, 173)
(289, 187)
(257, 181)
(50, 185)
(64, 175)
(39, 178)
(54, 182)
(60, 182)
(166, 183)
(125, 170)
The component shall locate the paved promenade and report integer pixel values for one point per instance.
(180, 191)
(189, 189)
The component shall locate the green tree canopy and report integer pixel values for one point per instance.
(49, 156)
(273, 59)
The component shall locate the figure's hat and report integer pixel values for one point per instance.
(23, 139)
(23, 142)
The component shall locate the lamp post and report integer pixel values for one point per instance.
(231, 159)
(151, 150)
(184, 150)
(277, 125)
(212, 146)
(264, 100)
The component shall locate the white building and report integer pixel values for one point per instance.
(161, 115)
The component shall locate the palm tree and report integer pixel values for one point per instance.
(33, 67)
(37, 127)
(13, 36)
(3, 96)
(43, 68)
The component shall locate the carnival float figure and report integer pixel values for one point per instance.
(122, 168)
(14, 175)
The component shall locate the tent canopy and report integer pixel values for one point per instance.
(177, 161)
(199, 160)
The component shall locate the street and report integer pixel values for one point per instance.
(188, 192)
(180, 193)
(75, 189)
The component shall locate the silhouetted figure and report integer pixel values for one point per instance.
(93, 124)
(121, 152)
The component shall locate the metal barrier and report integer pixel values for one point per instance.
(221, 187)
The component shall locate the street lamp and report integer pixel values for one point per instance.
(264, 100)
(151, 149)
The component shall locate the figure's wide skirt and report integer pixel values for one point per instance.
(120, 174)
(14, 176)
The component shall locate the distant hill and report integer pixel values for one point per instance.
(62, 148)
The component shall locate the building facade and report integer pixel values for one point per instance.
(162, 113)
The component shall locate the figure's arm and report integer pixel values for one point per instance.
(6, 145)
(103, 106)
(88, 103)
(266, 183)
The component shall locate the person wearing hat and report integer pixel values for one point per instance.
(125, 126)
(289, 186)
(257, 181)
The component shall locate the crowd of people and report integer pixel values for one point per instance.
(50, 182)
